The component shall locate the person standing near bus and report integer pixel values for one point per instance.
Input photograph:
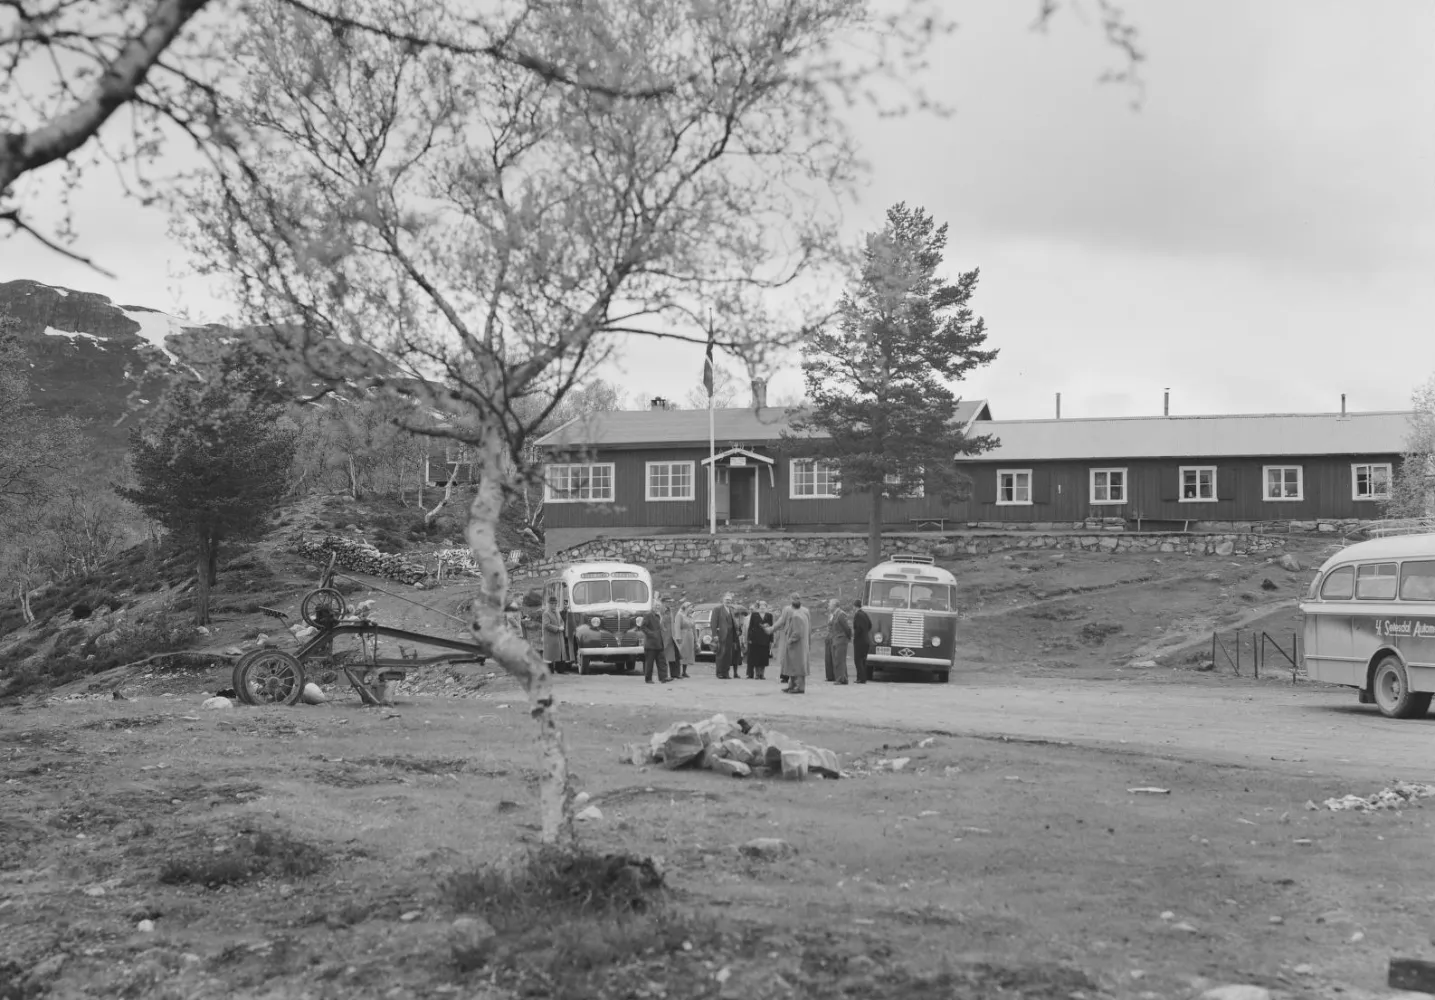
(861, 641)
(553, 652)
(670, 639)
(687, 635)
(651, 625)
(839, 633)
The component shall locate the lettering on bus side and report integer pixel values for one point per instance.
(1399, 628)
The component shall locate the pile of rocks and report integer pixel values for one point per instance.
(358, 555)
(1401, 795)
(739, 749)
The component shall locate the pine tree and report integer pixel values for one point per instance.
(879, 382)
(216, 466)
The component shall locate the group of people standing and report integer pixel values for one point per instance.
(670, 641)
(787, 639)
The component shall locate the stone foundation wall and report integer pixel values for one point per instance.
(668, 550)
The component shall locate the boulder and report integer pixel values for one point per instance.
(637, 754)
(732, 768)
(218, 703)
(742, 751)
(589, 814)
(794, 764)
(771, 849)
(1237, 992)
(823, 762)
(313, 694)
(1289, 562)
(682, 748)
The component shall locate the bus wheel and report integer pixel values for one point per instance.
(1391, 688)
(945, 677)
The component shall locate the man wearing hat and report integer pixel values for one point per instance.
(724, 626)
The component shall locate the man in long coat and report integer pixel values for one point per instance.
(795, 625)
(670, 639)
(553, 644)
(861, 642)
(725, 644)
(839, 633)
(651, 625)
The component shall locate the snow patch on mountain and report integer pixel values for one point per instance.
(50, 331)
(154, 327)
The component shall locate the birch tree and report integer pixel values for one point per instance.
(1412, 492)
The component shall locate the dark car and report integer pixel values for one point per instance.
(702, 625)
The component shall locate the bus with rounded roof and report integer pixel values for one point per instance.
(913, 607)
(1370, 623)
(601, 604)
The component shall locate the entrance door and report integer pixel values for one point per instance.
(743, 495)
(722, 495)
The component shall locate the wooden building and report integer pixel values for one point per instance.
(1179, 471)
(634, 473)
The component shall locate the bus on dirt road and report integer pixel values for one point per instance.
(601, 602)
(1370, 623)
(913, 607)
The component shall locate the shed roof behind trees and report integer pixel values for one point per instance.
(1234, 435)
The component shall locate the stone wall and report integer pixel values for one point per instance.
(667, 550)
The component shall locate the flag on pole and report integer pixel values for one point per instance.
(708, 364)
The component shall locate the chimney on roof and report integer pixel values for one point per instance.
(1166, 407)
(759, 393)
(1342, 404)
(1058, 406)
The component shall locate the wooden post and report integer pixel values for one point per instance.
(1238, 652)
(1258, 650)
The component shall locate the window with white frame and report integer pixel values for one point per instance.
(1108, 485)
(1370, 482)
(914, 490)
(1284, 482)
(670, 481)
(1198, 483)
(579, 483)
(1013, 487)
(813, 478)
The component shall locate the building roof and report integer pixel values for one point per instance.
(648, 428)
(1231, 436)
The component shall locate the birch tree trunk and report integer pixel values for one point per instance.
(512, 651)
(429, 515)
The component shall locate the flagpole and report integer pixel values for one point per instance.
(712, 435)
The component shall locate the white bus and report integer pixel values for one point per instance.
(612, 595)
(1370, 623)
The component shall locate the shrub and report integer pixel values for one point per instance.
(258, 856)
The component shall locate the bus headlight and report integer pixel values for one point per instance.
(936, 640)
(877, 638)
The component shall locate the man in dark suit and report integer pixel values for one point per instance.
(725, 640)
(861, 641)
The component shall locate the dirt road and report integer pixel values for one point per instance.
(1303, 730)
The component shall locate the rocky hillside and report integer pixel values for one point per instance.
(88, 355)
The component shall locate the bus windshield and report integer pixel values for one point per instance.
(588, 592)
(918, 596)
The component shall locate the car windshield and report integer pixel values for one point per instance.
(702, 616)
(918, 596)
(610, 592)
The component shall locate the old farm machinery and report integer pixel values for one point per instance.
(269, 676)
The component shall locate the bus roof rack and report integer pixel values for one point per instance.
(924, 560)
(1400, 526)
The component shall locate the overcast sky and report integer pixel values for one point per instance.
(1259, 237)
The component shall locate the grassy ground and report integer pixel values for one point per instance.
(328, 851)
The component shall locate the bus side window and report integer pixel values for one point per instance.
(1417, 580)
(1375, 582)
(1339, 585)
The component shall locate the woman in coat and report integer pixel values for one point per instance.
(553, 651)
(759, 643)
(687, 635)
